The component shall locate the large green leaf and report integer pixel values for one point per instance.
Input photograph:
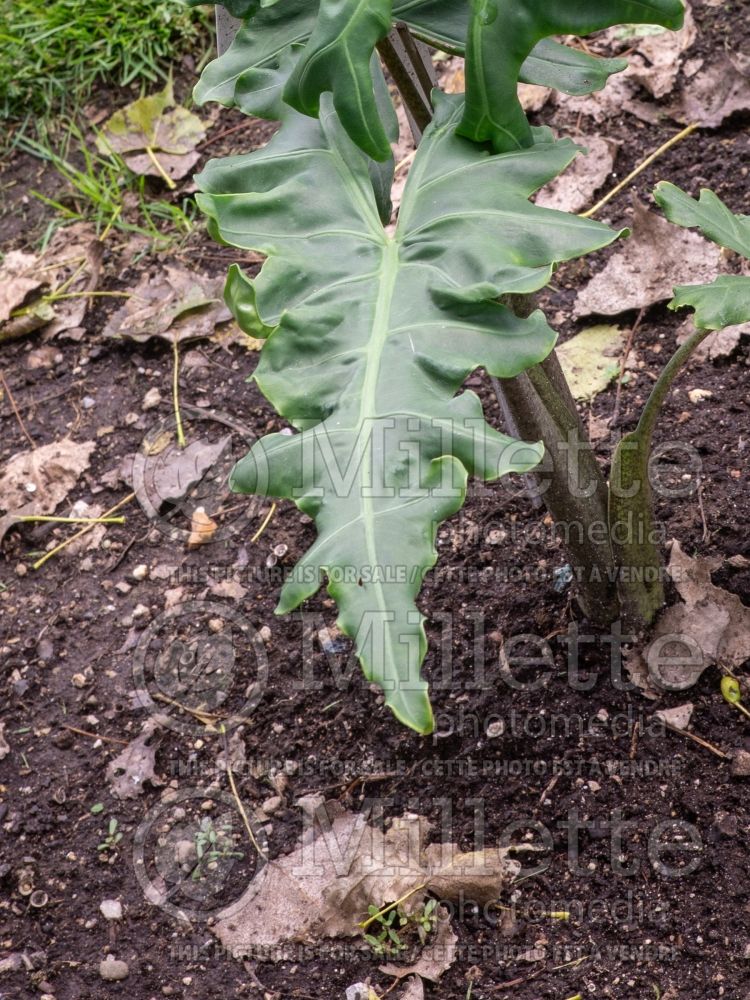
(372, 337)
(336, 60)
(726, 301)
(240, 76)
(503, 34)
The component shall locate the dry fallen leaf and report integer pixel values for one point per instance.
(4, 748)
(341, 866)
(35, 482)
(153, 136)
(71, 264)
(574, 189)
(18, 278)
(591, 359)
(711, 626)
(678, 717)
(165, 473)
(717, 345)
(202, 529)
(414, 990)
(128, 771)
(173, 303)
(714, 94)
(647, 266)
(656, 63)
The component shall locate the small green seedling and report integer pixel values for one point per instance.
(732, 692)
(97, 808)
(212, 845)
(426, 921)
(386, 941)
(112, 839)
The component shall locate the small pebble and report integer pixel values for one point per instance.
(272, 805)
(111, 909)
(22, 569)
(699, 395)
(78, 680)
(113, 969)
(88, 403)
(140, 572)
(151, 400)
(740, 767)
(265, 633)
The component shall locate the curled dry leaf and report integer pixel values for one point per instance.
(172, 303)
(4, 747)
(202, 529)
(414, 990)
(154, 136)
(644, 271)
(128, 771)
(574, 189)
(656, 62)
(70, 264)
(341, 866)
(35, 482)
(711, 626)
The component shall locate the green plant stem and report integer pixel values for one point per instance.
(631, 519)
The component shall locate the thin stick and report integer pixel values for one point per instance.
(639, 170)
(237, 798)
(364, 924)
(702, 509)
(263, 526)
(699, 740)
(71, 520)
(176, 392)
(206, 718)
(15, 410)
(58, 548)
(95, 736)
(162, 172)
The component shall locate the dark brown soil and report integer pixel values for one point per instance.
(579, 756)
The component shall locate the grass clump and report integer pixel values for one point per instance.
(53, 53)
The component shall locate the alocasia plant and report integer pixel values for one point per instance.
(370, 336)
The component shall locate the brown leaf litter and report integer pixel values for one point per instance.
(710, 626)
(341, 866)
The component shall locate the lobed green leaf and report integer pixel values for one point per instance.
(503, 34)
(371, 338)
(726, 301)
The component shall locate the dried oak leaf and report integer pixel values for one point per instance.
(154, 136)
(128, 771)
(655, 258)
(711, 626)
(341, 866)
(173, 303)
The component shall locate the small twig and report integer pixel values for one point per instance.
(206, 718)
(364, 924)
(58, 548)
(15, 410)
(176, 392)
(95, 736)
(237, 798)
(70, 520)
(263, 526)
(639, 169)
(699, 740)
